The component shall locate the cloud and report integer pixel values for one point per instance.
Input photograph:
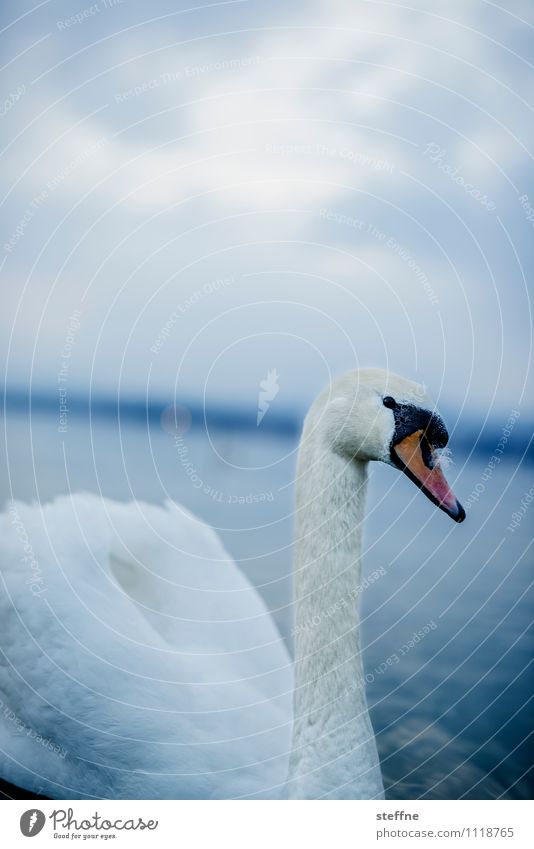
(206, 144)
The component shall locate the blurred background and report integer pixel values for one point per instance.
(209, 212)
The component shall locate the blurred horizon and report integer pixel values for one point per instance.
(176, 417)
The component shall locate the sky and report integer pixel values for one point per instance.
(195, 196)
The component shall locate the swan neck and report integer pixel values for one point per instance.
(334, 751)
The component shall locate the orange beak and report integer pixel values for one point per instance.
(413, 455)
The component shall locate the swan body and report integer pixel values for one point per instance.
(138, 662)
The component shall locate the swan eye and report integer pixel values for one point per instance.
(389, 402)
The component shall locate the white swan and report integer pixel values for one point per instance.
(137, 661)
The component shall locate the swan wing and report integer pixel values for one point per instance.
(136, 657)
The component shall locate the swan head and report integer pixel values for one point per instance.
(372, 414)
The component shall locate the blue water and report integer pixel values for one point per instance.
(450, 705)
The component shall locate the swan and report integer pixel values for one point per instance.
(138, 662)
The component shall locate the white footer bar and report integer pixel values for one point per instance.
(270, 825)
